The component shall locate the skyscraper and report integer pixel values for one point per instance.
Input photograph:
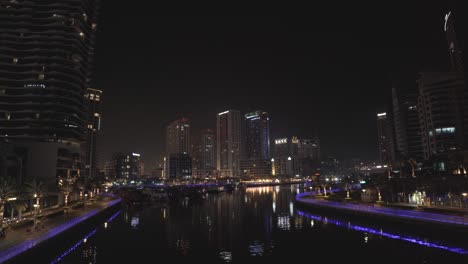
(207, 150)
(228, 136)
(385, 137)
(46, 55)
(127, 166)
(440, 111)
(257, 135)
(407, 124)
(255, 162)
(178, 148)
(178, 137)
(93, 103)
(455, 51)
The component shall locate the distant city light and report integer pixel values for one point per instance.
(222, 113)
(381, 114)
(136, 154)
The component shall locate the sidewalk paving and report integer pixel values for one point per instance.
(417, 215)
(19, 240)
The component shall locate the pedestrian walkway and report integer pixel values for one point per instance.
(22, 239)
(438, 218)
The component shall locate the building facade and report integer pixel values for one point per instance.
(180, 166)
(93, 129)
(257, 136)
(385, 137)
(178, 137)
(42, 108)
(228, 143)
(127, 166)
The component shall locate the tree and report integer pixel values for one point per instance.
(36, 190)
(19, 206)
(7, 191)
(81, 185)
(66, 187)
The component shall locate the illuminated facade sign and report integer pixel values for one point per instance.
(381, 114)
(135, 154)
(281, 141)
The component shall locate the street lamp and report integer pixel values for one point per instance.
(464, 198)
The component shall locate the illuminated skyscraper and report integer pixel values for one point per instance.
(46, 55)
(178, 137)
(93, 102)
(178, 148)
(257, 135)
(385, 137)
(228, 136)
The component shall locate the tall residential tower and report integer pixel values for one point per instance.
(46, 57)
(228, 136)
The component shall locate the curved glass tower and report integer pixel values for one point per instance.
(46, 54)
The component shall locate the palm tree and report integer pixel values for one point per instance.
(80, 184)
(66, 186)
(7, 191)
(36, 190)
(20, 207)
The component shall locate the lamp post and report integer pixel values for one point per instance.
(464, 198)
(36, 206)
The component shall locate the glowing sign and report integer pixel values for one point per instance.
(225, 112)
(446, 20)
(135, 154)
(381, 114)
(281, 141)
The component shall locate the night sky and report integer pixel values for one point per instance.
(315, 69)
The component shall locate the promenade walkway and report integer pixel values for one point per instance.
(22, 239)
(437, 218)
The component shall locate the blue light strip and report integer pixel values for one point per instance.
(30, 243)
(381, 233)
(74, 247)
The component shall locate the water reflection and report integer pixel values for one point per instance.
(235, 227)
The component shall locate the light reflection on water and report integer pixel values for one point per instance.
(258, 223)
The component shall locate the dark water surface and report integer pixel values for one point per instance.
(257, 225)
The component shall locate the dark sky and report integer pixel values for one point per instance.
(313, 68)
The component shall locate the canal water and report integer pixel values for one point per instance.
(259, 224)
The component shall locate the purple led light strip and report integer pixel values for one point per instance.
(384, 234)
(30, 243)
(74, 247)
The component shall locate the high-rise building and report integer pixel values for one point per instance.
(286, 161)
(178, 137)
(228, 137)
(440, 106)
(93, 127)
(257, 135)
(294, 157)
(406, 125)
(177, 142)
(309, 148)
(207, 150)
(180, 166)
(46, 55)
(127, 166)
(385, 137)
(454, 47)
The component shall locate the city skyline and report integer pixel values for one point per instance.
(311, 77)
